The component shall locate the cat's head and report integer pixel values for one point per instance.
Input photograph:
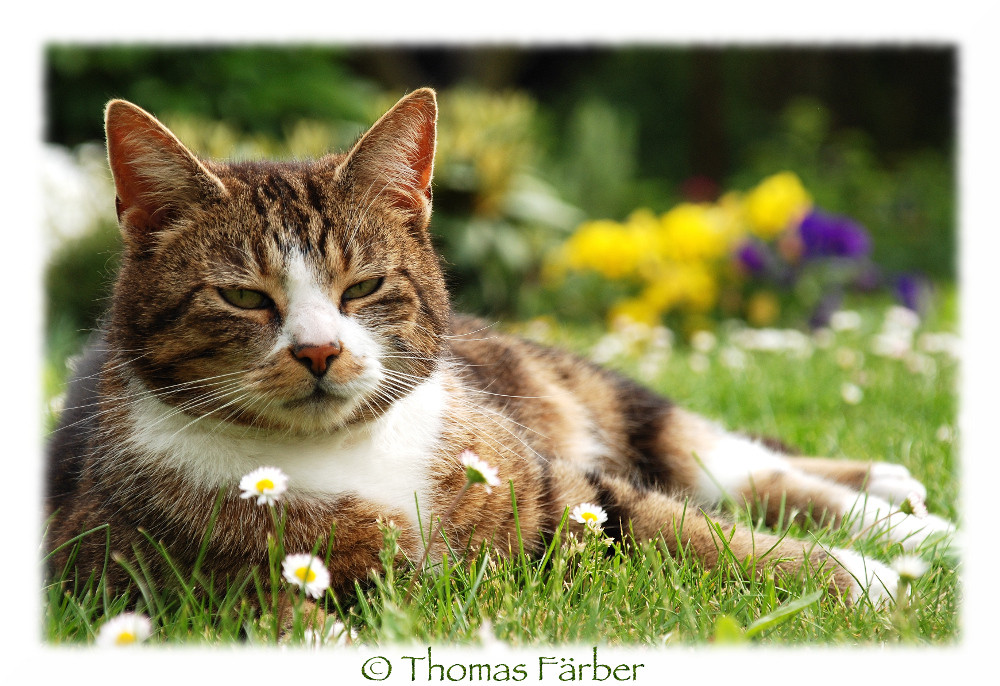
(296, 296)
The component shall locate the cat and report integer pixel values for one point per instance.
(294, 314)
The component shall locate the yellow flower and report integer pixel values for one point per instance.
(727, 214)
(776, 203)
(637, 310)
(762, 308)
(663, 292)
(699, 287)
(692, 286)
(691, 232)
(607, 247)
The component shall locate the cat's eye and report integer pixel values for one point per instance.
(362, 288)
(245, 299)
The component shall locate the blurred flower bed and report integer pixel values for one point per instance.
(765, 255)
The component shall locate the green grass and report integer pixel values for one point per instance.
(592, 593)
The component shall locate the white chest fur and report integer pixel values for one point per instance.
(386, 461)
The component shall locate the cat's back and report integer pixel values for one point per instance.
(561, 404)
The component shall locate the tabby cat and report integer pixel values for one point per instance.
(294, 314)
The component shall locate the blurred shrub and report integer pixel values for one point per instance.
(78, 279)
(495, 215)
(81, 235)
(597, 163)
(253, 88)
(906, 202)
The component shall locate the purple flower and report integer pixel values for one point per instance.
(912, 291)
(752, 256)
(828, 235)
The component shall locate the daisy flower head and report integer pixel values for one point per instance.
(851, 394)
(264, 483)
(337, 635)
(478, 472)
(590, 515)
(914, 505)
(307, 572)
(124, 629)
(910, 567)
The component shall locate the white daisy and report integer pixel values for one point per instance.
(124, 629)
(734, 358)
(478, 472)
(914, 505)
(307, 572)
(845, 320)
(944, 434)
(703, 341)
(337, 635)
(487, 636)
(851, 394)
(264, 483)
(589, 514)
(901, 319)
(910, 567)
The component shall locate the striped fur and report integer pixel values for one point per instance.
(182, 391)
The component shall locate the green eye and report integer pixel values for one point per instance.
(362, 288)
(245, 299)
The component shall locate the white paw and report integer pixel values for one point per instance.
(872, 578)
(877, 518)
(893, 482)
(913, 532)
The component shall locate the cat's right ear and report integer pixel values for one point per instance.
(156, 177)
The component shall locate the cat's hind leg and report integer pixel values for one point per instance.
(647, 513)
(726, 466)
(886, 480)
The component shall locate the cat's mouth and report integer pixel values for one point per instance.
(318, 397)
(322, 396)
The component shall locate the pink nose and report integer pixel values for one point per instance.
(316, 357)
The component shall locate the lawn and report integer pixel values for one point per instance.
(876, 388)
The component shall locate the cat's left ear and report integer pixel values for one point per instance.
(394, 160)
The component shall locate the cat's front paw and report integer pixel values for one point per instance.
(864, 577)
(894, 483)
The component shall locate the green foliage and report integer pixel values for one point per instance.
(596, 167)
(78, 279)
(495, 217)
(907, 204)
(262, 89)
